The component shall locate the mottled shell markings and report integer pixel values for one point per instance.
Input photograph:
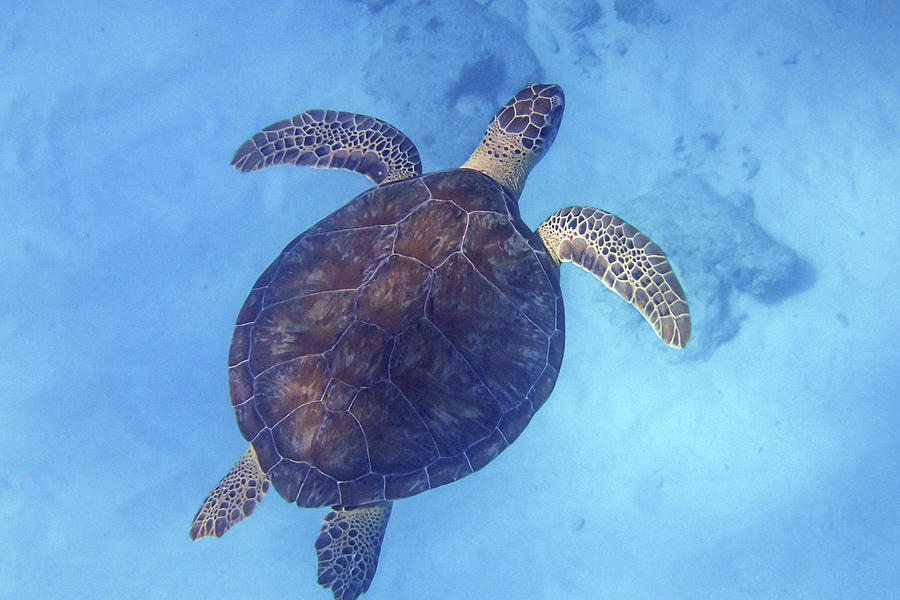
(366, 367)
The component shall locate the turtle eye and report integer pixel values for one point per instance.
(556, 114)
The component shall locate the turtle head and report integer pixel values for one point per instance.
(519, 135)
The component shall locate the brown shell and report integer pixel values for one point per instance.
(399, 344)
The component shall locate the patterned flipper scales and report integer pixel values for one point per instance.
(348, 547)
(626, 261)
(328, 139)
(242, 488)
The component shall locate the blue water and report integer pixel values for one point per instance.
(758, 143)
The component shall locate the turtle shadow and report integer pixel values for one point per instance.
(463, 60)
(720, 253)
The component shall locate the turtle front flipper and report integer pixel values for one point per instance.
(348, 547)
(242, 488)
(627, 262)
(328, 139)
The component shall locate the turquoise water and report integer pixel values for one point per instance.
(758, 144)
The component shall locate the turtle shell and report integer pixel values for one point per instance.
(399, 344)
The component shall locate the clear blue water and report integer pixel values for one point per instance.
(758, 143)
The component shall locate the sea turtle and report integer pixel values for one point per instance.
(404, 341)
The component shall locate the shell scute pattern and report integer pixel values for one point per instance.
(398, 439)
(405, 485)
(462, 299)
(431, 233)
(396, 294)
(372, 359)
(384, 205)
(499, 255)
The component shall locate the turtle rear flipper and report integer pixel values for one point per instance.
(328, 139)
(626, 261)
(348, 547)
(242, 488)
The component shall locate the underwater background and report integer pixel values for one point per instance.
(757, 142)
